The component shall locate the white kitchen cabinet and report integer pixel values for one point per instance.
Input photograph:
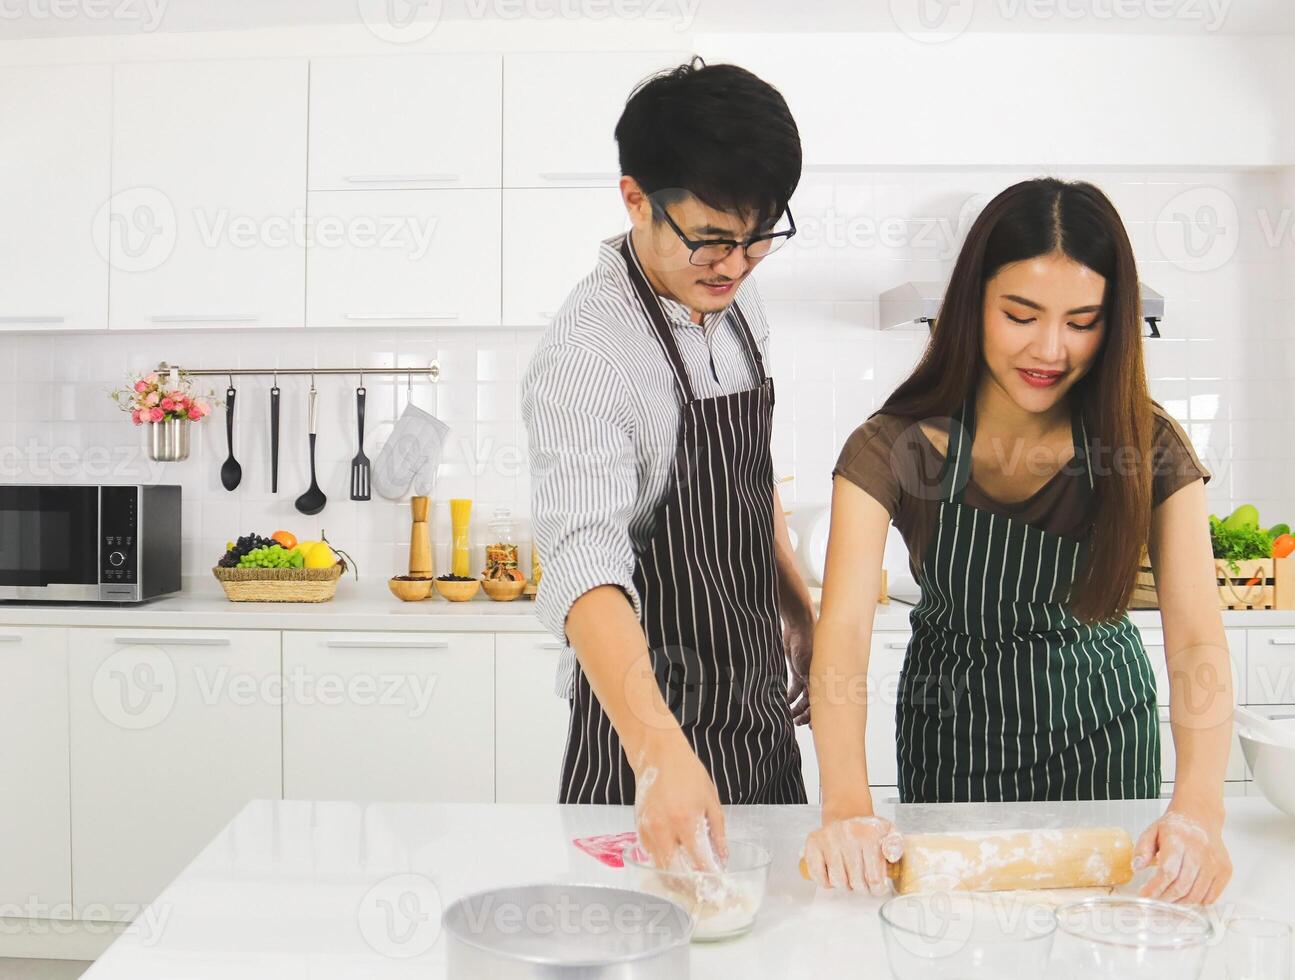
(391, 716)
(1270, 667)
(530, 720)
(560, 114)
(172, 733)
(409, 258)
(551, 238)
(884, 665)
(55, 140)
(209, 194)
(35, 814)
(404, 122)
(1154, 643)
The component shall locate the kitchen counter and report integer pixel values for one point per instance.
(369, 605)
(300, 889)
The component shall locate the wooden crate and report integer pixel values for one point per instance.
(1264, 583)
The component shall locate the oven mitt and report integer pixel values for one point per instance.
(414, 445)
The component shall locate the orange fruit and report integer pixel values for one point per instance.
(285, 538)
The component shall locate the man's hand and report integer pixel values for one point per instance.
(676, 806)
(798, 640)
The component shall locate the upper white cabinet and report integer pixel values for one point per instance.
(551, 239)
(408, 121)
(560, 113)
(394, 717)
(172, 732)
(407, 258)
(35, 815)
(54, 180)
(209, 194)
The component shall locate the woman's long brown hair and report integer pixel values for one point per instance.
(1029, 219)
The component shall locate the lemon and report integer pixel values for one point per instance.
(320, 556)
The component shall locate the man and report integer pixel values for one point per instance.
(667, 564)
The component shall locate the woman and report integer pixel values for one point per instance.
(1026, 466)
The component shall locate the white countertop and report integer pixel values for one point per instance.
(292, 889)
(369, 605)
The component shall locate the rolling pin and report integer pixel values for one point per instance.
(1007, 860)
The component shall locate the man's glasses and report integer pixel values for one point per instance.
(708, 251)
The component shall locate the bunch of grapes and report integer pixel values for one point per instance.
(272, 556)
(241, 547)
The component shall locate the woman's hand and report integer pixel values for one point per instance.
(677, 809)
(853, 853)
(1188, 851)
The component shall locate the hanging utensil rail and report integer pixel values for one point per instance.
(432, 371)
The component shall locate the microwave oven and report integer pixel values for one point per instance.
(102, 543)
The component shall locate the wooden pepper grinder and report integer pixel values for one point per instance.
(420, 540)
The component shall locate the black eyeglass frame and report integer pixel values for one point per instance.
(694, 245)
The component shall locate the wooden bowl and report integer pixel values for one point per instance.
(410, 589)
(458, 591)
(503, 590)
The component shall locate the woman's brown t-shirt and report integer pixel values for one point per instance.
(892, 460)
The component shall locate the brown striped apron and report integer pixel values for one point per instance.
(708, 586)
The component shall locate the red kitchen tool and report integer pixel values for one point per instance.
(607, 848)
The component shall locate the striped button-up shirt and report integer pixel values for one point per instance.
(602, 417)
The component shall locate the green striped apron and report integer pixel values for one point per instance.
(1004, 694)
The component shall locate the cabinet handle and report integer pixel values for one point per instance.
(10, 638)
(206, 318)
(33, 319)
(402, 316)
(559, 175)
(896, 645)
(402, 178)
(173, 641)
(547, 314)
(551, 645)
(387, 644)
(1277, 642)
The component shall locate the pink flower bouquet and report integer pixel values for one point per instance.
(149, 400)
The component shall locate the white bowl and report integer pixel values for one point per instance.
(723, 904)
(1273, 767)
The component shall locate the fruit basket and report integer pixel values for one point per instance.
(248, 571)
(280, 584)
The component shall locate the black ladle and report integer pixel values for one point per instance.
(313, 500)
(231, 474)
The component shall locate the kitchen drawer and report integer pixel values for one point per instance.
(1270, 669)
(35, 812)
(405, 122)
(530, 719)
(1154, 642)
(1236, 770)
(389, 716)
(403, 258)
(172, 733)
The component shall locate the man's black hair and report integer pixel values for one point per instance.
(716, 131)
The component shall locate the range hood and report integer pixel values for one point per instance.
(916, 304)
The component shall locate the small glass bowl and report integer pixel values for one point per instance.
(723, 904)
(947, 934)
(1122, 937)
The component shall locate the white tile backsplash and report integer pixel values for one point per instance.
(1224, 368)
